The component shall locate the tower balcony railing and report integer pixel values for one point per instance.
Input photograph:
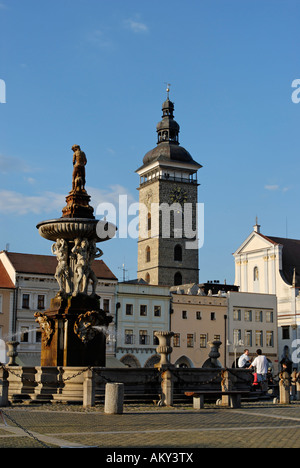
(168, 177)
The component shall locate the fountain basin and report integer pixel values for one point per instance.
(72, 228)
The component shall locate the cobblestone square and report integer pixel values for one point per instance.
(254, 425)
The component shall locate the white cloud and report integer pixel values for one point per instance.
(272, 187)
(110, 195)
(12, 202)
(276, 187)
(136, 26)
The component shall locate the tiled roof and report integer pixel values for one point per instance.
(290, 257)
(46, 265)
(5, 281)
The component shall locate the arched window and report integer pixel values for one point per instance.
(178, 253)
(147, 278)
(255, 274)
(177, 278)
(148, 254)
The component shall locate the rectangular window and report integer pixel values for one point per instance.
(258, 338)
(190, 340)
(198, 315)
(269, 316)
(129, 337)
(38, 336)
(258, 316)
(106, 305)
(248, 338)
(157, 311)
(25, 301)
(248, 315)
(129, 309)
(237, 336)
(24, 334)
(217, 337)
(236, 314)
(41, 302)
(176, 340)
(285, 332)
(155, 339)
(203, 339)
(212, 316)
(184, 314)
(143, 310)
(144, 338)
(269, 339)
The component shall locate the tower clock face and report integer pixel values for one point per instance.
(178, 195)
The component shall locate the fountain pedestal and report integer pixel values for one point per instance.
(74, 326)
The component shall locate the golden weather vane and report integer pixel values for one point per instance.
(168, 88)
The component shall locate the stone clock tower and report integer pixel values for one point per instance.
(168, 203)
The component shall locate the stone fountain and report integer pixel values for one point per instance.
(74, 327)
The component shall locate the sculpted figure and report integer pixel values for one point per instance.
(94, 252)
(79, 162)
(62, 273)
(80, 250)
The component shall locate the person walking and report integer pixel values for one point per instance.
(244, 359)
(261, 365)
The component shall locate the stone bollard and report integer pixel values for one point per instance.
(284, 388)
(89, 389)
(3, 387)
(114, 398)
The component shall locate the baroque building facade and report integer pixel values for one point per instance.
(271, 265)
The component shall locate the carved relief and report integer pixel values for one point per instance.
(88, 325)
(45, 325)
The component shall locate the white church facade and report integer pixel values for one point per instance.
(271, 265)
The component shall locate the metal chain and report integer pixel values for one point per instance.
(23, 429)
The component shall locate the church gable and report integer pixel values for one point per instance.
(253, 243)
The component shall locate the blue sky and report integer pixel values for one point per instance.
(93, 73)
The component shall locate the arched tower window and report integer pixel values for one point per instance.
(147, 278)
(177, 278)
(148, 254)
(178, 253)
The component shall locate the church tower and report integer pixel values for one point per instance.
(168, 204)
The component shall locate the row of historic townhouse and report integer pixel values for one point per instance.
(195, 315)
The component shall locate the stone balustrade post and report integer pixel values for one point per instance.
(164, 349)
(3, 387)
(166, 388)
(284, 388)
(89, 388)
(12, 352)
(226, 385)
